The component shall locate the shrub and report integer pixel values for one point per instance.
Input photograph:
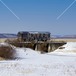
(7, 52)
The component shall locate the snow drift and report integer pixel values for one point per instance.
(70, 47)
(26, 53)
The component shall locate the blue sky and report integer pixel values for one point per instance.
(38, 15)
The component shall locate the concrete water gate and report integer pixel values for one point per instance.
(40, 46)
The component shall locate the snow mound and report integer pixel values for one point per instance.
(6, 44)
(70, 47)
(26, 53)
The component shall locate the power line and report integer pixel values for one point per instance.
(66, 9)
(9, 9)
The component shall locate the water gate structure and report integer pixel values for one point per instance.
(37, 41)
(40, 46)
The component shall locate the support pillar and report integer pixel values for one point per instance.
(49, 48)
(36, 47)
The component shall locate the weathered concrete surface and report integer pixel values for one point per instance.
(41, 46)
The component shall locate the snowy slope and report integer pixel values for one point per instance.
(69, 48)
(26, 53)
(32, 63)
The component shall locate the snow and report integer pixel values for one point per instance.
(70, 46)
(26, 52)
(61, 62)
(6, 44)
(67, 49)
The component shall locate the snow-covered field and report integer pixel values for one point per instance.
(61, 62)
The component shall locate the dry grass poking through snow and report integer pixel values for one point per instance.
(6, 52)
